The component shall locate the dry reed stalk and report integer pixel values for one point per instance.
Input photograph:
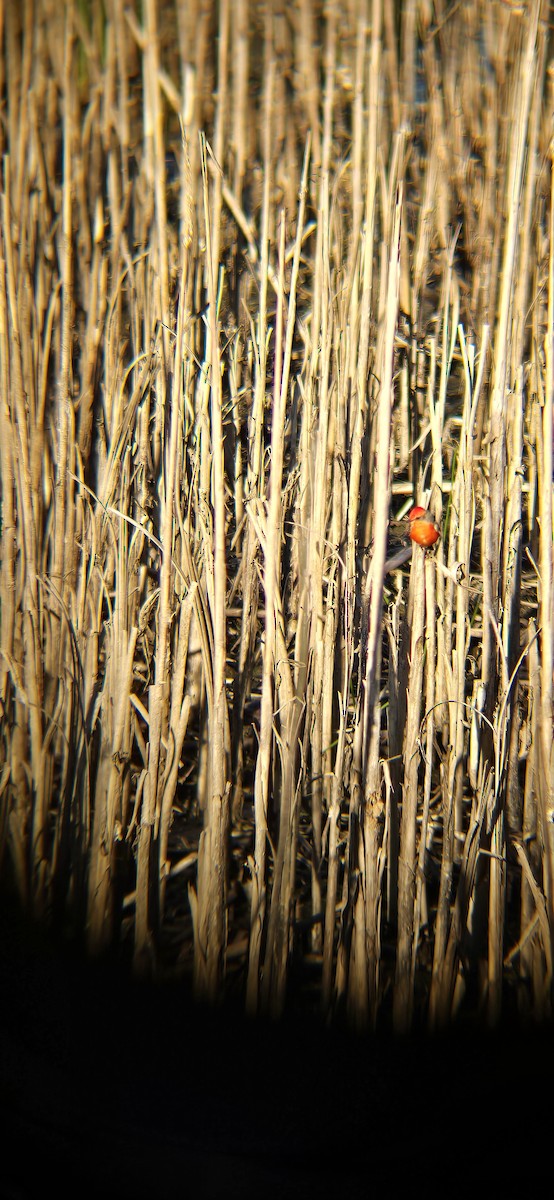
(107, 826)
(357, 201)
(529, 950)
(261, 782)
(403, 993)
(27, 668)
(501, 531)
(346, 959)
(306, 64)
(351, 977)
(457, 599)
(220, 131)
(61, 571)
(546, 613)
(338, 662)
(290, 684)
(271, 547)
(536, 957)
(239, 108)
(164, 725)
(522, 102)
(312, 545)
(420, 899)
(213, 847)
(408, 44)
(367, 751)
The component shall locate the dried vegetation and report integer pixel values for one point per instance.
(269, 275)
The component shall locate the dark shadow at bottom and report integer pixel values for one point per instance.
(112, 1087)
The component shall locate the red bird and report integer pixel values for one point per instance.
(423, 527)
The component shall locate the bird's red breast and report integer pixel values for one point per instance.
(423, 527)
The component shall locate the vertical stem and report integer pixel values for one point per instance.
(213, 847)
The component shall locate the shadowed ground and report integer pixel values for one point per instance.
(133, 1090)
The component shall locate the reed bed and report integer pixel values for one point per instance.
(268, 277)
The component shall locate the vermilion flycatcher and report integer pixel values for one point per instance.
(423, 527)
